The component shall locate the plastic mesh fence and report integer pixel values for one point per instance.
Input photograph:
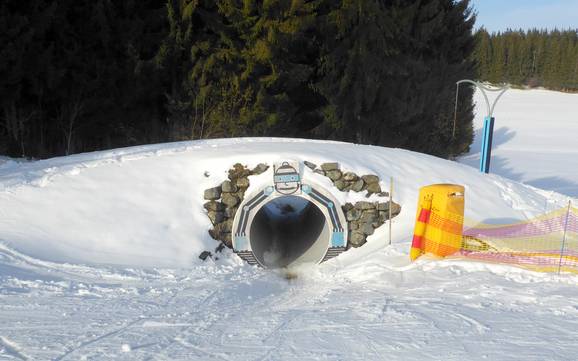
(548, 243)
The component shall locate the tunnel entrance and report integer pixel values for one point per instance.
(289, 230)
(288, 222)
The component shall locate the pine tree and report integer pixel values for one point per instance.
(279, 64)
(390, 73)
(528, 58)
(483, 53)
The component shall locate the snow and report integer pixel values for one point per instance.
(535, 138)
(99, 258)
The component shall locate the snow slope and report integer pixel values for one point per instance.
(143, 206)
(99, 260)
(535, 138)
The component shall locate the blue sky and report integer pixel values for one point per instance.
(498, 15)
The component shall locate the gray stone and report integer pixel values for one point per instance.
(346, 207)
(383, 194)
(204, 255)
(352, 226)
(357, 239)
(383, 206)
(340, 184)
(334, 174)
(212, 193)
(260, 168)
(353, 215)
(364, 205)
(350, 177)
(241, 196)
(243, 182)
(230, 200)
(227, 226)
(214, 206)
(370, 178)
(228, 187)
(216, 217)
(368, 216)
(319, 171)
(230, 212)
(395, 209)
(358, 185)
(383, 216)
(238, 171)
(214, 234)
(330, 166)
(367, 228)
(228, 240)
(373, 188)
(220, 247)
(218, 230)
(310, 165)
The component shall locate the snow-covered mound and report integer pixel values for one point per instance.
(112, 215)
(142, 206)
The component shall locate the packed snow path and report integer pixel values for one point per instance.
(370, 309)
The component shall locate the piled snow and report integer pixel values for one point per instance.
(99, 260)
(143, 206)
(535, 138)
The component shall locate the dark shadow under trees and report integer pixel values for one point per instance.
(79, 75)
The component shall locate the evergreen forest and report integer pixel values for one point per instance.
(534, 58)
(86, 75)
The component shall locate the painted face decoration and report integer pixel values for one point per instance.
(286, 179)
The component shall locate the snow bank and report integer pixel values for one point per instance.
(142, 206)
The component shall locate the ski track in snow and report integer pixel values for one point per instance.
(369, 310)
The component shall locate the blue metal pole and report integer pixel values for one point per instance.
(487, 136)
(488, 132)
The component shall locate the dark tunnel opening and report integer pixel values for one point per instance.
(289, 230)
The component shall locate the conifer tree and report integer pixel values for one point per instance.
(528, 58)
(279, 60)
(390, 73)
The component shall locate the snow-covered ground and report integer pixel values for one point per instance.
(99, 260)
(535, 138)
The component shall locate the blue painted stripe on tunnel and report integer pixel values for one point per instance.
(320, 200)
(248, 208)
(245, 212)
(241, 243)
(332, 213)
(330, 207)
(337, 239)
(286, 178)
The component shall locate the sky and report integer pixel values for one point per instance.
(499, 15)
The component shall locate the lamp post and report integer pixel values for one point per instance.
(487, 134)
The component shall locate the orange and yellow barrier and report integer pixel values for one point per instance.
(439, 220)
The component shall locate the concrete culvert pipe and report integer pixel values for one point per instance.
(289, 230)
(291, 222)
